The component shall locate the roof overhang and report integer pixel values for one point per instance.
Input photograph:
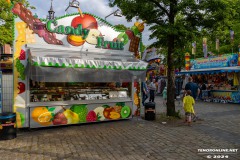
(87, 66)
(212, 70)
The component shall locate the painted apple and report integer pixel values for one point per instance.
(59, 119)
(87, 21)
(21, 87)
(92, 36)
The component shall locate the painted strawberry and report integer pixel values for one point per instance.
(135, 84)
(22, 55)
(21, 87)
(91, 116)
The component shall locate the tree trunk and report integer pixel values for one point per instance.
(170, 77)
(170, 70)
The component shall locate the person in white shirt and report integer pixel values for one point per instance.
(152, 88)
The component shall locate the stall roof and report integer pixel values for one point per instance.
(119, 60)
(49, 60)
(212, 70)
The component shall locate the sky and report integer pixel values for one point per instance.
(97, 7)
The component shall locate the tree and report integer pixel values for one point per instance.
(173, 23)
(7, 16)
(221, 31)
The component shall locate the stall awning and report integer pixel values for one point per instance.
(66, 64)
(211, 70)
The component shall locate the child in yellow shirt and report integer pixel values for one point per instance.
(188, 102)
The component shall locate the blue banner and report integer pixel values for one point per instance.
(227, 60)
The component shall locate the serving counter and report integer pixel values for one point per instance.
(225, 96)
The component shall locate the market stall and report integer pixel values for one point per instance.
(73, 69)
(221, 74)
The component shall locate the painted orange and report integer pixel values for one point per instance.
(37, 115)
(75, 40)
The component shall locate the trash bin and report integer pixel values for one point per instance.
(8, 128)
(150, 111)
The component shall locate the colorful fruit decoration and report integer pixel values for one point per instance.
(129, 33)
(114, 115)
(20, 68)
(22, 55)
(92, 36)
(136, 97)
(99, 113)
(107, 110)
(136, 101)
(118, 107)
(137, 28)
(43, 115)
(123, 37)
(21, 87)
(140, 26)
(88, 22)
(187, 61)
(125, 112)
(75, 40)
(59, 119)
(20, 119)
(81, 110)
(91, 116)
(72, 117)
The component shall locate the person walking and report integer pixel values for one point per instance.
(165, 96)
(152, 89)
(188, 103)
(193, 87)
(202, 87)
(144, 92)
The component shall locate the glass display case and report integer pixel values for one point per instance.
(47, 91)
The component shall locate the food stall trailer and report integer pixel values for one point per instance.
(73, 69)
(221, 74)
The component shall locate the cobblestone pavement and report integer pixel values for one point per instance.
(133, 139)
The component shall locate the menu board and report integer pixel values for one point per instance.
(0, 91)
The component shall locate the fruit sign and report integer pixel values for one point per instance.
(84, 28)
(86, 31)
(78, 113)
(79, 31)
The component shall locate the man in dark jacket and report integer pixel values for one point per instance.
(193, 87)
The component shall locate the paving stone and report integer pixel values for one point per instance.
(132, 139)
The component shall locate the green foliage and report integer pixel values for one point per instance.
(8, 29)
(175, 24)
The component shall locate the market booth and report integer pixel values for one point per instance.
(73, 69)
(221, 74)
